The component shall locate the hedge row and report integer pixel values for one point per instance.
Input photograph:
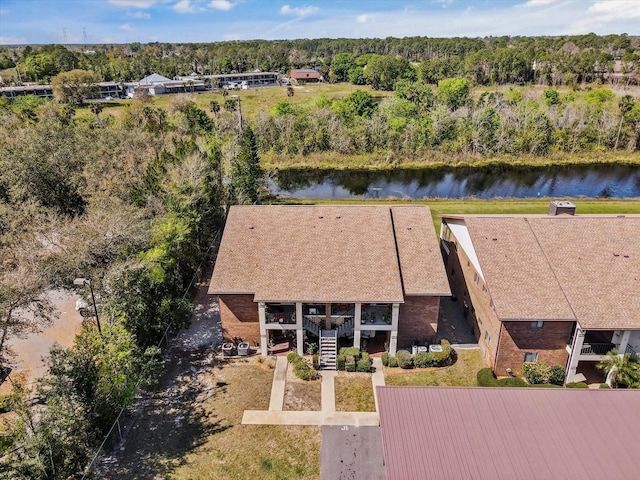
(486, 378)
(404, 359)
(353, 360)
(301, 367)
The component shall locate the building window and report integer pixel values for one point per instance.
(479, 320)
(530, 357)
(484, 289)
(487, 338)
(491, 304)
(537, 324)
(468, 263)
(476, 278)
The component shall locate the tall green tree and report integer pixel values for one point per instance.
(247, 176)
(75, 86)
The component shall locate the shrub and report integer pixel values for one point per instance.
(577, 385)
(355, 352)
(393, 362)
(604, 385)
(423, 359)
(556, 374)
(385, 359)
(340, 362)
(486, 378)
(404, 359)
(443, 358)
(535, 372)
(365, 356)
(293, 357)
(363, 365)
(316, 361)
(303, 370)
(511, 382)
(350, 363)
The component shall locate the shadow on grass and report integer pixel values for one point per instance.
(171, 423)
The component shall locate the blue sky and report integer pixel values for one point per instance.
(110, 21)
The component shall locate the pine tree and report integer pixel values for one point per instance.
(247, 175)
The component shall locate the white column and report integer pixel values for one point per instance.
(574, 356)
(357, 318)
(262, 317)
(393, 341)
(299, 329)
(624, 341)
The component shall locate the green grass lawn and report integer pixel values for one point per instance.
(460, 374)
(251, 451)
(354, 392)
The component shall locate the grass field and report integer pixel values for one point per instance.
(251, 451)
(460, 374)
(354, 392)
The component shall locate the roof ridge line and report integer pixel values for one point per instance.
(553, 272)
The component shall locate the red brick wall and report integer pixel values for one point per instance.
(418, 320)
(517, 338)
(481, 316)
(239, 317)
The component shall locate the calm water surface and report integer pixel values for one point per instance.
(586, 181)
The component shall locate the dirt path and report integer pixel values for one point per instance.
(171, 420)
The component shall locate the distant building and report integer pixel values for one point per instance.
(250, 79)
(105, 89)
(306, 75)
(156, 84)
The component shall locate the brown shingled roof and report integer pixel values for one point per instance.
(314, 254)
(421, 263)
(508, 433)
(565, 267)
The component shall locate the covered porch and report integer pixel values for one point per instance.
(356, 323)
(587, 347)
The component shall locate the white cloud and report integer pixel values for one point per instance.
(299, 11)
(364, 18)
(615, 9)
(540, 3)
(444, 3)
(139, 15)
(133, 3)
(127, 28)
(225, 5)
(4, 11)
(184, 6)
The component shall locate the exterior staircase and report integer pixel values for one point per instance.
(311, 326)
(346, 329)
(328, 349)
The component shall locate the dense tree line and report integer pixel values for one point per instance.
(131, 203)
(548, 60)
(418, 120)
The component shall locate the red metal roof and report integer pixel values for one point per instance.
(509, 433)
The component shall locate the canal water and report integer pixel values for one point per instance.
(490, 182)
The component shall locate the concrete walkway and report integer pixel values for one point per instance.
(279, 383)
(327, 416)
(377, 378)
(328, 389)
(264, 417)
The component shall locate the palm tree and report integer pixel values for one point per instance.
(620, 370)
